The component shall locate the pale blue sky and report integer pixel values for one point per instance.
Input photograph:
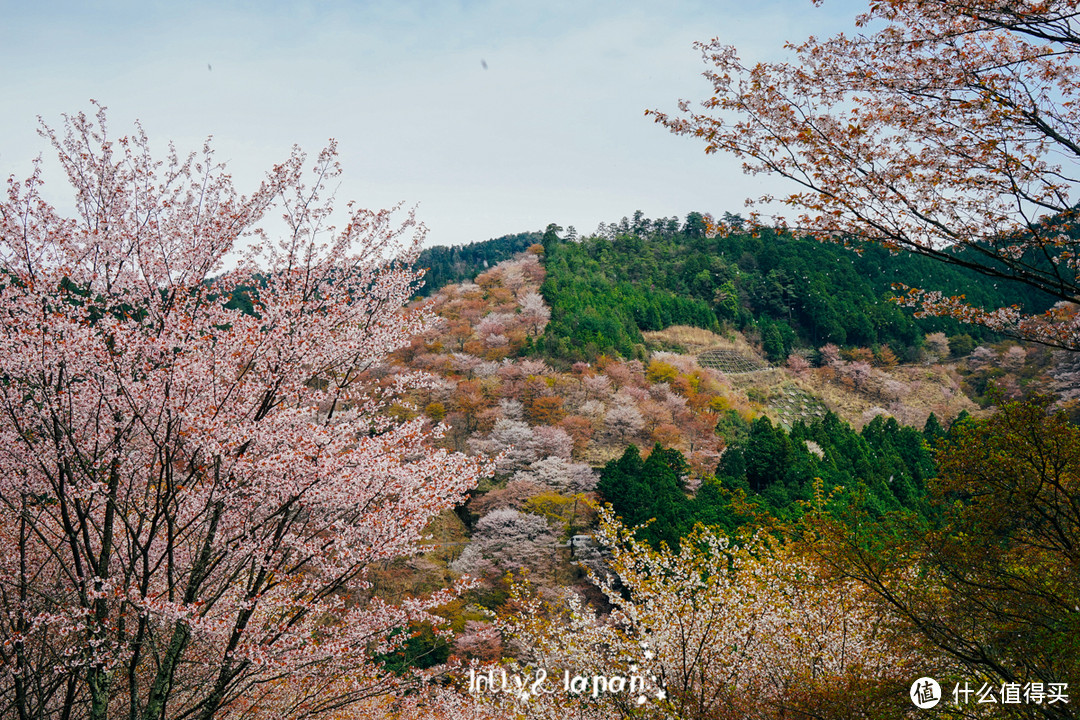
(552, 131)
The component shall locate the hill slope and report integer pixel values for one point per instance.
(787, 292)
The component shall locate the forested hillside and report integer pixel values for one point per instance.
(264, 458)
(679, 451)
(768, 471)
(444, 265)
(789, 291)
(666, 442)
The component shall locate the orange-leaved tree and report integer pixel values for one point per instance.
(952, 130)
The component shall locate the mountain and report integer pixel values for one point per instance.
(445, 265)
(785, 291)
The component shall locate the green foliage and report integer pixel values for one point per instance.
(630, 277)
(641, 491)
(242, 300)
(883, 468)
(423, 649)
(767, 454)
(933, 430)
(447, 265)
(961, 345)
(732, 427)
(997, 557)
(712, 506)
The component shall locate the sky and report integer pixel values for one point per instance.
(490, 117)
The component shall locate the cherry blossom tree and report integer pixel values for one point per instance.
(859, 372)
(554, 442)
(596, 387)
(1014, 358)
(517, 491)
(190, 494)
(798, 365)
(623, 421)
(830, 356)
(560, 474)
(507, 540)
(951, 131)
(747, 630)
(511, 409)
(534, 312)
(752, 629)
(981, 357)
(479, 640)
(938, 344)
(494, 323)
(513, 443)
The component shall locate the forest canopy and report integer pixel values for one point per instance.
(793, 291)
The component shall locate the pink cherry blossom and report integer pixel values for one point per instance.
(190, 495)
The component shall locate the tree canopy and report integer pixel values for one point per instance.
(951, 131)
(998, 561)
(633, 277)
(190, 494)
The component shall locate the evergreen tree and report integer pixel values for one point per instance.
(932, 430)
(621, 484)
(767, 454)
(884, 468)
(650, 490)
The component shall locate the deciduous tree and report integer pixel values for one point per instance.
(534, 312)
(189, 495)
(990, 586)
(729, 630)
(950, 131)
(513, 442)
(508, 540)
(559, 474)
